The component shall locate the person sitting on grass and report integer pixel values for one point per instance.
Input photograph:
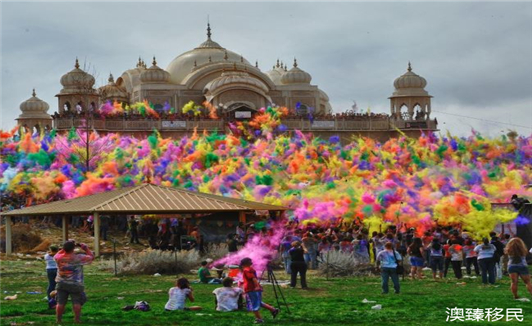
(228, 298)
(517, 266)
(178, 295)
(205, 275)
(253, 291)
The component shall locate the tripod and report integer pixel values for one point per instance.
(277, 289)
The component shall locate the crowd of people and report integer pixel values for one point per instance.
(204, 114)
(437, 250)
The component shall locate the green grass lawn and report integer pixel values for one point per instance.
(329, 302)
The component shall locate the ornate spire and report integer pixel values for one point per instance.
(256, 64)
(277, 65)
(34, 94)
(154, 62)
(139, 63)
(209, 31)
(282, 65)
(295, 62)
(77, 63)
(409, 66)
(285, 68)
(143, 64)
(225, 55)
(111, 78)
(241, 58)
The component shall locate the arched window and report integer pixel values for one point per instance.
(419, 114)
(67, 106)
(403, 112)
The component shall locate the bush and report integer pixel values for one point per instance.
(151, 261)
(342, 264)
(155, 261)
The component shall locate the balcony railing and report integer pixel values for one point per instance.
(377, 124)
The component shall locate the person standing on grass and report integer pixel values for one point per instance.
(253, 291)
(51, 269)
(436, 258)
(178, 295)
(70, 278)
(427, 240)
(517, 265)
(499, 252)
(415, 250)
(446, 258)
(387, 262)
(486, 262)
(471, 257)
(457, 257)
(298, 265)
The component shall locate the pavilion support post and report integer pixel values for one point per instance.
(65, 229)
(242, 217)
(96, 217)
(9, 244)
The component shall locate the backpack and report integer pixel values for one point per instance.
(142, 306)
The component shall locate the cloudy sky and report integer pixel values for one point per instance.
(476, 57)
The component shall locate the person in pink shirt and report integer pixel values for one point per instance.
(70, 278)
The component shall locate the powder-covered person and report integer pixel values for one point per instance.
(228, 298)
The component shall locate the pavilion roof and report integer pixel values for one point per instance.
(143, 199)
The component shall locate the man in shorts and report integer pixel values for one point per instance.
(253, 291)
(70, 278)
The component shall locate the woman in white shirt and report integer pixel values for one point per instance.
(227, 297)
(485, 252)
(178, 295)
(51, 269)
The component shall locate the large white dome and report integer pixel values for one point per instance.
(207, 52)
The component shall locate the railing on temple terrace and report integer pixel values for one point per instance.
(336, 124)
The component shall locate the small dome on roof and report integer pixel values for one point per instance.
(112, 90)
(34, 107)
(410, 80)
(410, 84)
(77, 78)
(154, 74)
(296, 76)
(276, 73)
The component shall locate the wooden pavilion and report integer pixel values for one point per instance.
(139, 200)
